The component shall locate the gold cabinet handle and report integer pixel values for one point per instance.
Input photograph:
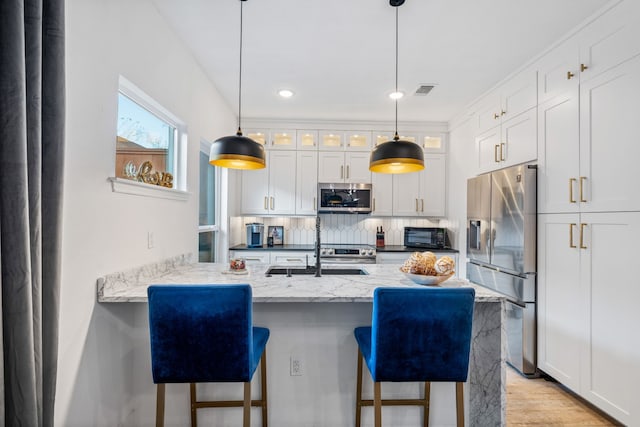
(569, 75)
(266, 207)
(347, 171)
(583, 67)
(496, 116)
(571, 181)
(571, 245)
(502, 146)
(272, 203)
(502, 112)
(422, 205)
(582, 179)
(341, 172)
(582, 226)
(417, 206)
(495, 153)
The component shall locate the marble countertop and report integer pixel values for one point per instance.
(131, 286)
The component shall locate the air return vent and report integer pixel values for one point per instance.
(423, 90)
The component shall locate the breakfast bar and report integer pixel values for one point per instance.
(311, 321)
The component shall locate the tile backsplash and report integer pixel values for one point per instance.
(335, 228)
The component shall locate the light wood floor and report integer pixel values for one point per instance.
(538, 402)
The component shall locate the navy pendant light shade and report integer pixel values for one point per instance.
(237, 151)
(396, 156)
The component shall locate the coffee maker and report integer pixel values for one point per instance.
(255, 234)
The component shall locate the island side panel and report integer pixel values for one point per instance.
(487, 374)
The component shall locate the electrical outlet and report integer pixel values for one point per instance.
(150, 239)
(295, 366)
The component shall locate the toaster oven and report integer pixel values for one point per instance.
(426, 237)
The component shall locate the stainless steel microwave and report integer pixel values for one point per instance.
(344, 198)
(426, 237)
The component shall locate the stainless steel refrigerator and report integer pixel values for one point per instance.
(501, 247)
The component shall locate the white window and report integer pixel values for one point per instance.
(150, 142)
(208, 230)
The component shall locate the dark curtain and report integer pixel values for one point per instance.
(32, 115)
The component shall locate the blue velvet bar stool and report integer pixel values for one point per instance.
(416, 335)
(202, 334)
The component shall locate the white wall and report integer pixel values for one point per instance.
(460, 168)
(105, 232)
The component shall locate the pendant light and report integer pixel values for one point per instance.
(396, 156)
(237, 151)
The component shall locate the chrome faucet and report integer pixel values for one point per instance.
(317, 246)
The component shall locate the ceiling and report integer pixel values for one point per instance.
(338, 55)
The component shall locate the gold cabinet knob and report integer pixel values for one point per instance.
(583, 67)
(569, 75)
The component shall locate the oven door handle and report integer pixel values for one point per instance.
(347, 260)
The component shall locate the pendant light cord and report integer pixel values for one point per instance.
(396, 137)
(239, 133)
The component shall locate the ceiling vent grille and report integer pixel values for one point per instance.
(423, 90)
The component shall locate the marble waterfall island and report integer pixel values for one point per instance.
(313, 319)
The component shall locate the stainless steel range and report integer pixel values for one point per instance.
(341, 253)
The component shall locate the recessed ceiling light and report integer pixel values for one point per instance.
(396, 95)
(285, 93)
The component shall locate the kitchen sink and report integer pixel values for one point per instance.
(294, 271)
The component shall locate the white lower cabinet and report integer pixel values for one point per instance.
(587, 307)
(401, 257)
(298, 258)
(252, 257)
(274, 257)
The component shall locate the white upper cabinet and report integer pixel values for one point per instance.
(513, 142)
(358, 140)
(433, 142)
(506, 124)
(382, 189)
(587, 149)
(421, 193)
(511, 99)
(307, 139)
(609, 147)
(331, 140)
(282, 139)
(340, 166)
(275, 139)
(306, 182)
(261, 136)
(271, 190)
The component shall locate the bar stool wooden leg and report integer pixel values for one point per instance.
(460, 404)
(377, 403)
(263, 382)
(246, 415)
(427, 400)
(160, 405)
(359, 390)
(194, 401)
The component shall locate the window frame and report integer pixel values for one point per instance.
(216, 229)
(180, 144)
